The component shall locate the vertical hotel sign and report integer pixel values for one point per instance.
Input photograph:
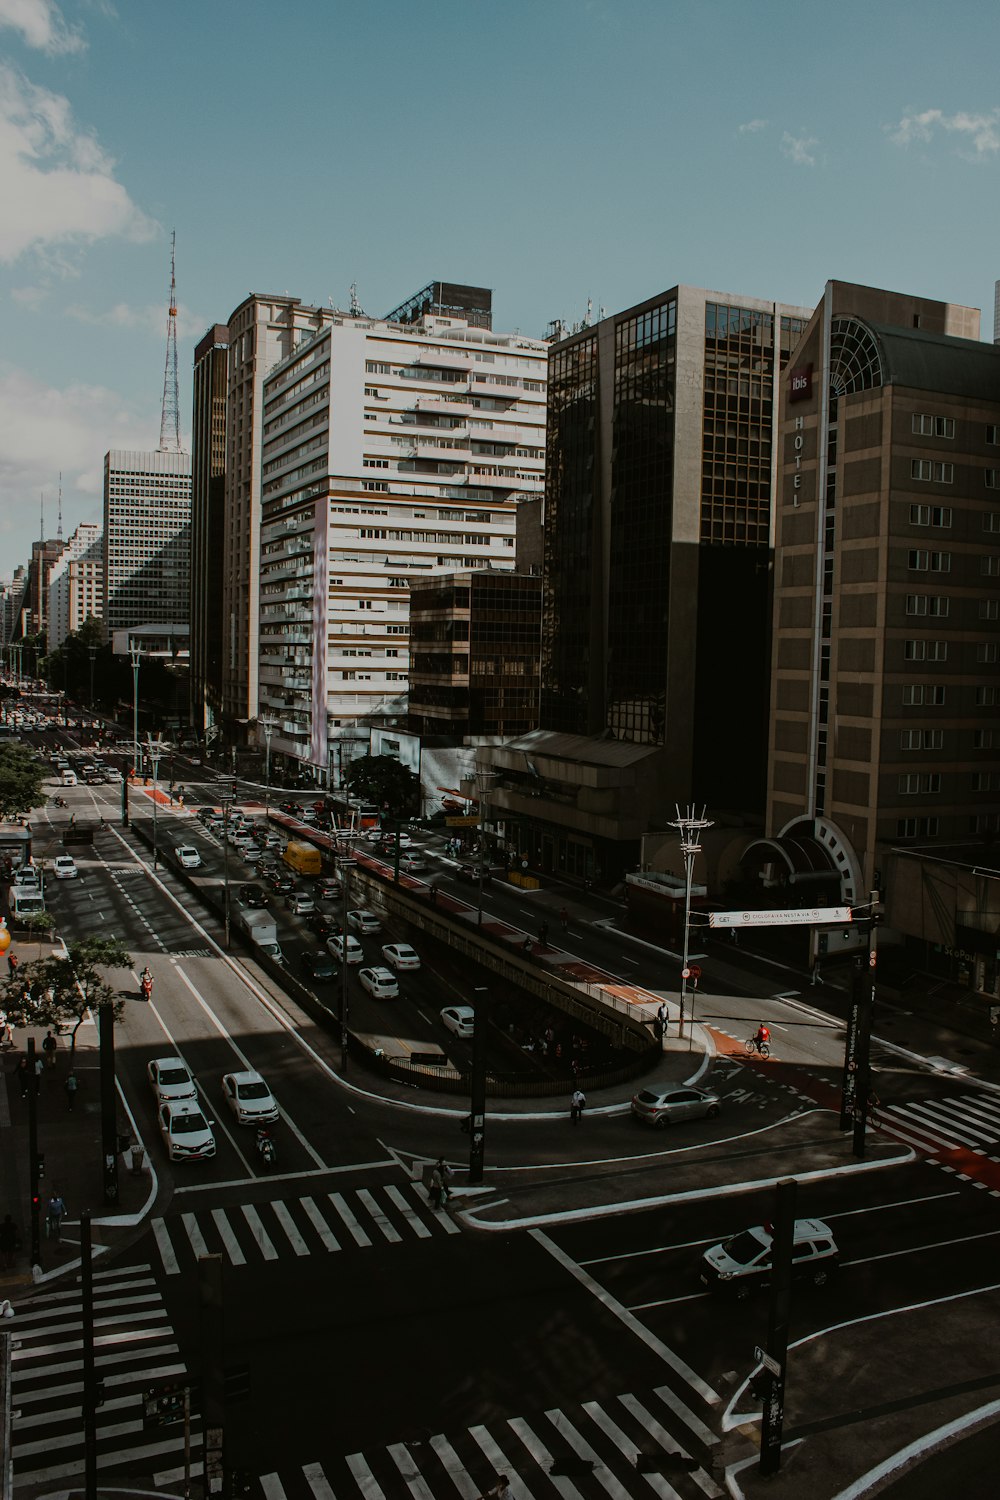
(800, 385)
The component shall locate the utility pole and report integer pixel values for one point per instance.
(135, 656)
(779, 1315)
(154, 749)
(689, 824)
(856, 1088)
(91, 1392)
(477, 1087)
(109, 1101)
(484, 781)
(345, 867)
(33, 1163)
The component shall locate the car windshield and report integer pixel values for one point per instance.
(743, 1248)
(648, 1098)
(187, 1124)
(257, 1090)
(173, 1075)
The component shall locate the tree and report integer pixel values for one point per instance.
(21, 779)
(386, 781)
(60, 989)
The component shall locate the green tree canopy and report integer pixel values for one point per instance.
(21, 779)
(384, 780)
(60, 988)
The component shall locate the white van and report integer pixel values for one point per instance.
(68, 778)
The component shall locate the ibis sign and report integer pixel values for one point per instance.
(799, 916)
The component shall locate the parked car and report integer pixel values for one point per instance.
(319, 966)
(249, 1098)
(253, 895)
(64, 867)
(401, 956)
(170, 1078)
(460, 1019)
(186, 1133)
(355, 952)
(364, 921)
(188, 857)
(666, 1106)
(742, 1264)
(380, 983)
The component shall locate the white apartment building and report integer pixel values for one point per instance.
(76, 584)
(390, 450)
(147, 538)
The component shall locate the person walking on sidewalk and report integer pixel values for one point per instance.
(576, 1106)
(564, 919)
(49, 1046)
(436, 1189)
(71, 1085)
(442, 1167)
(54, 1215)
(12, 963)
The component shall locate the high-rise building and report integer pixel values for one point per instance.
(208, 529)
(44, 557)
(656, 612)
(886, 669)
(147, 538)
(262, 330)
(76, 584)
(391, 451)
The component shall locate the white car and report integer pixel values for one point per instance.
(169, 1078)
(365, 922)
(64, 867)
(380, 983)
(186, 1133)
(250, 852)
(272, 841)
(188, 857)
(461, 1019)
(249, 1098)
(300, 903)
(412, 864)
(401, 956)
(355, 952)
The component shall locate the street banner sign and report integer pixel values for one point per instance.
(798, 916)
(463, 822)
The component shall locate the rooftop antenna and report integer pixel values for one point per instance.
(356, 309)
(41, 510)
(59, 534)
(590, 312)
(170, 417)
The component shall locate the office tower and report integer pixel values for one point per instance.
(76, 584)
(147, 538)
(655, 630)
(886, 723)
(208, 495)
(391, 451)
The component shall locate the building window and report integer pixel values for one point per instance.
(916, 604)
(984, 823)
(993, 434)
(930, 515)
(928, 426)
(989, 567)
(930, 471)
(911, 828)
(987, 651)
(919, 694)
(992, 478)
(913, 783)
(982, 739)
(989, 609)
(986, 697)
(982, 781)
(921, 739)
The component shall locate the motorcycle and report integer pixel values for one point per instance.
(59, 802)
(146, 985)
(266, 1147)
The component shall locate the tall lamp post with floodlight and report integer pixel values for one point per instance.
(93, 656)
(135, 654)
(155, 751)
(484, 782)
(690, 825)
(269, 723)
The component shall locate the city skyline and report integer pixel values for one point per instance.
(759, 152)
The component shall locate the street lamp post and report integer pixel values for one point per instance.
(135, 653)
(268, 723)
(484, 780)
(154, 749)
(93, 655)
(227, 807)
(690, 825)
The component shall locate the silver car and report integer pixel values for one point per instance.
(663, 1107)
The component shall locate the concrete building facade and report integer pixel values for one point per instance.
(76, 584)
(208, 496)
(147, 538)
(391, 452)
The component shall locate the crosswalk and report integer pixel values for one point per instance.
(618, 1448)
(957, 1122)
(320, 1223)
(134, 1348)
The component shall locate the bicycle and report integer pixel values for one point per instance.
(752, 1045)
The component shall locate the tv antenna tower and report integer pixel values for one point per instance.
(59, 527)
(170, 419)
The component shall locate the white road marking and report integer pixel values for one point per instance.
(583, 1450)
(501, 1464)
(259, 1232)
(165, 1248)
(350, 1222)
(413, 1220)
(194, 1235)
(454, 1468)
(364, 1478)
(287, 1223)
(316, 1219)
(317, 1482)
(272, 1487)
(543, 1458)
(229, 1240)
(388, 1230)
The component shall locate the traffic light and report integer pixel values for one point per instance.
(39, 1165)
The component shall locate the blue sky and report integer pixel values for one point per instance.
(556, 151)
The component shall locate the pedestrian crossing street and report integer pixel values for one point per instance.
(577, 1452)
(134, 1347)
(969, 1122)
(321, 1223)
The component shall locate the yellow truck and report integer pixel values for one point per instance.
(304, 859)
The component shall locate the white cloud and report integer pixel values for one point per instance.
(57, 183)
(981, 131)
(152, 318)
(41, 25)
(750, 127)
(799, 148)
(30, 297)
(43, 430)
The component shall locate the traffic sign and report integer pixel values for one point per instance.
(763, 1358)
(799, 916)
(463, 822)
(691, 972)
